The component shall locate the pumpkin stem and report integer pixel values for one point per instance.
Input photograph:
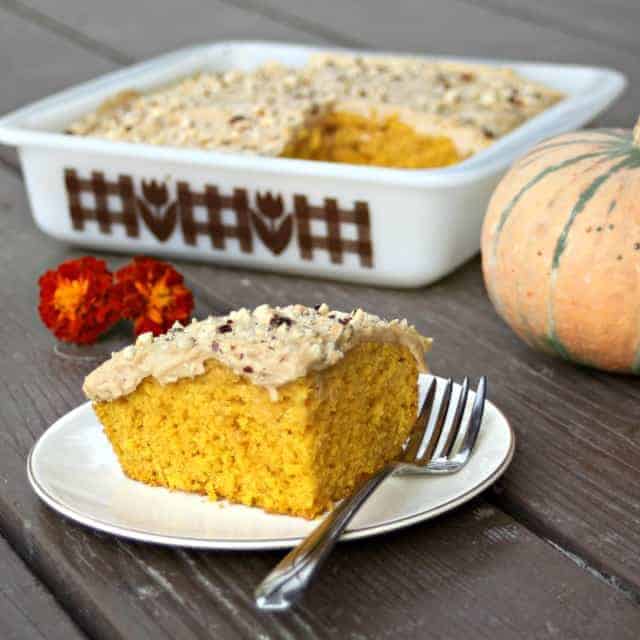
(636, 133)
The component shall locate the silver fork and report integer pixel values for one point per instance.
(428, 451)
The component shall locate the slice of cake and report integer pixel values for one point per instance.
(282, 408)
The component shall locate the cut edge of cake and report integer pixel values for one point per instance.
(342, 407)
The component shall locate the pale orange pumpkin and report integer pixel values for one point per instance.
(561, 248)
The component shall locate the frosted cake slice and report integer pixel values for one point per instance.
(282, 408)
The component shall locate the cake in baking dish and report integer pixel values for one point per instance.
(281, 408)
(378, 110)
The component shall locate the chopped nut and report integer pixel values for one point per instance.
(129, 352)
(144, 339)
(184, 341)
(277, 321)
(257, 110)
(488, 133)
(275, 345)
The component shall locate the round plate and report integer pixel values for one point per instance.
(74, 470)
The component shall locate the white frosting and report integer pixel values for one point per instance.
(269, 345)
(258, 111)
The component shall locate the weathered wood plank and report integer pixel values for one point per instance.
(47, 52)
(575, 478)
(464, 27)
(461, 574)
(36, 62)
(27, 609)
(613, 21)
(574, 425)
(118, 24)
(564, 481)
(494, 28)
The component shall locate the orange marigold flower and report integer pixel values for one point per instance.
(153, 295)
(77, 300)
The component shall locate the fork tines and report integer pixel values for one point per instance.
(430, 445)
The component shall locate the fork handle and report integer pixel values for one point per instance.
(288, 580)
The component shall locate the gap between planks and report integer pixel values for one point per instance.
(294, 21)
(537, 529)
(312, 27)
(66, 32)
(28, 608)
(7, 165)
(526, 14)
(610, 580)
(221, 304)
(277, 13)
(561, 544)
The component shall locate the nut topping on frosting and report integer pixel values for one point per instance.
(270, 346)
(257, 111)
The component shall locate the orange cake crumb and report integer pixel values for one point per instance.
(292, 439)
(383, 142)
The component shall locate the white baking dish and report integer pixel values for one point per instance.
(365, 224)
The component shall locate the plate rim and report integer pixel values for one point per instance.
(245, 544)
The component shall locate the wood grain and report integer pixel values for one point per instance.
(610, 21)
(47, 47)
(574, 479)
(462, 574)
(117, 24)
(468, 27)
(36, 62)
(492, 28)
(28, 611)
(576, 476)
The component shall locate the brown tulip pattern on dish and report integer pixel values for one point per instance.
(268, 221)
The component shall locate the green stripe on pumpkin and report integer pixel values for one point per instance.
(554, 343)
(628, 149)
(535, 180)
(618, 135)
(631, 161)
(525, 326)
(533, 156)
(621, 134)
(506, 212)
(635, 367)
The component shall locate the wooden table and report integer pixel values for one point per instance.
(551, 552)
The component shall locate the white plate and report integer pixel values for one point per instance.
(74, 470)
(435, 215)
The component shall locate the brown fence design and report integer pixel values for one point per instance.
(267, 221)
(214, 228)
(333, 242)
(101, 190)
